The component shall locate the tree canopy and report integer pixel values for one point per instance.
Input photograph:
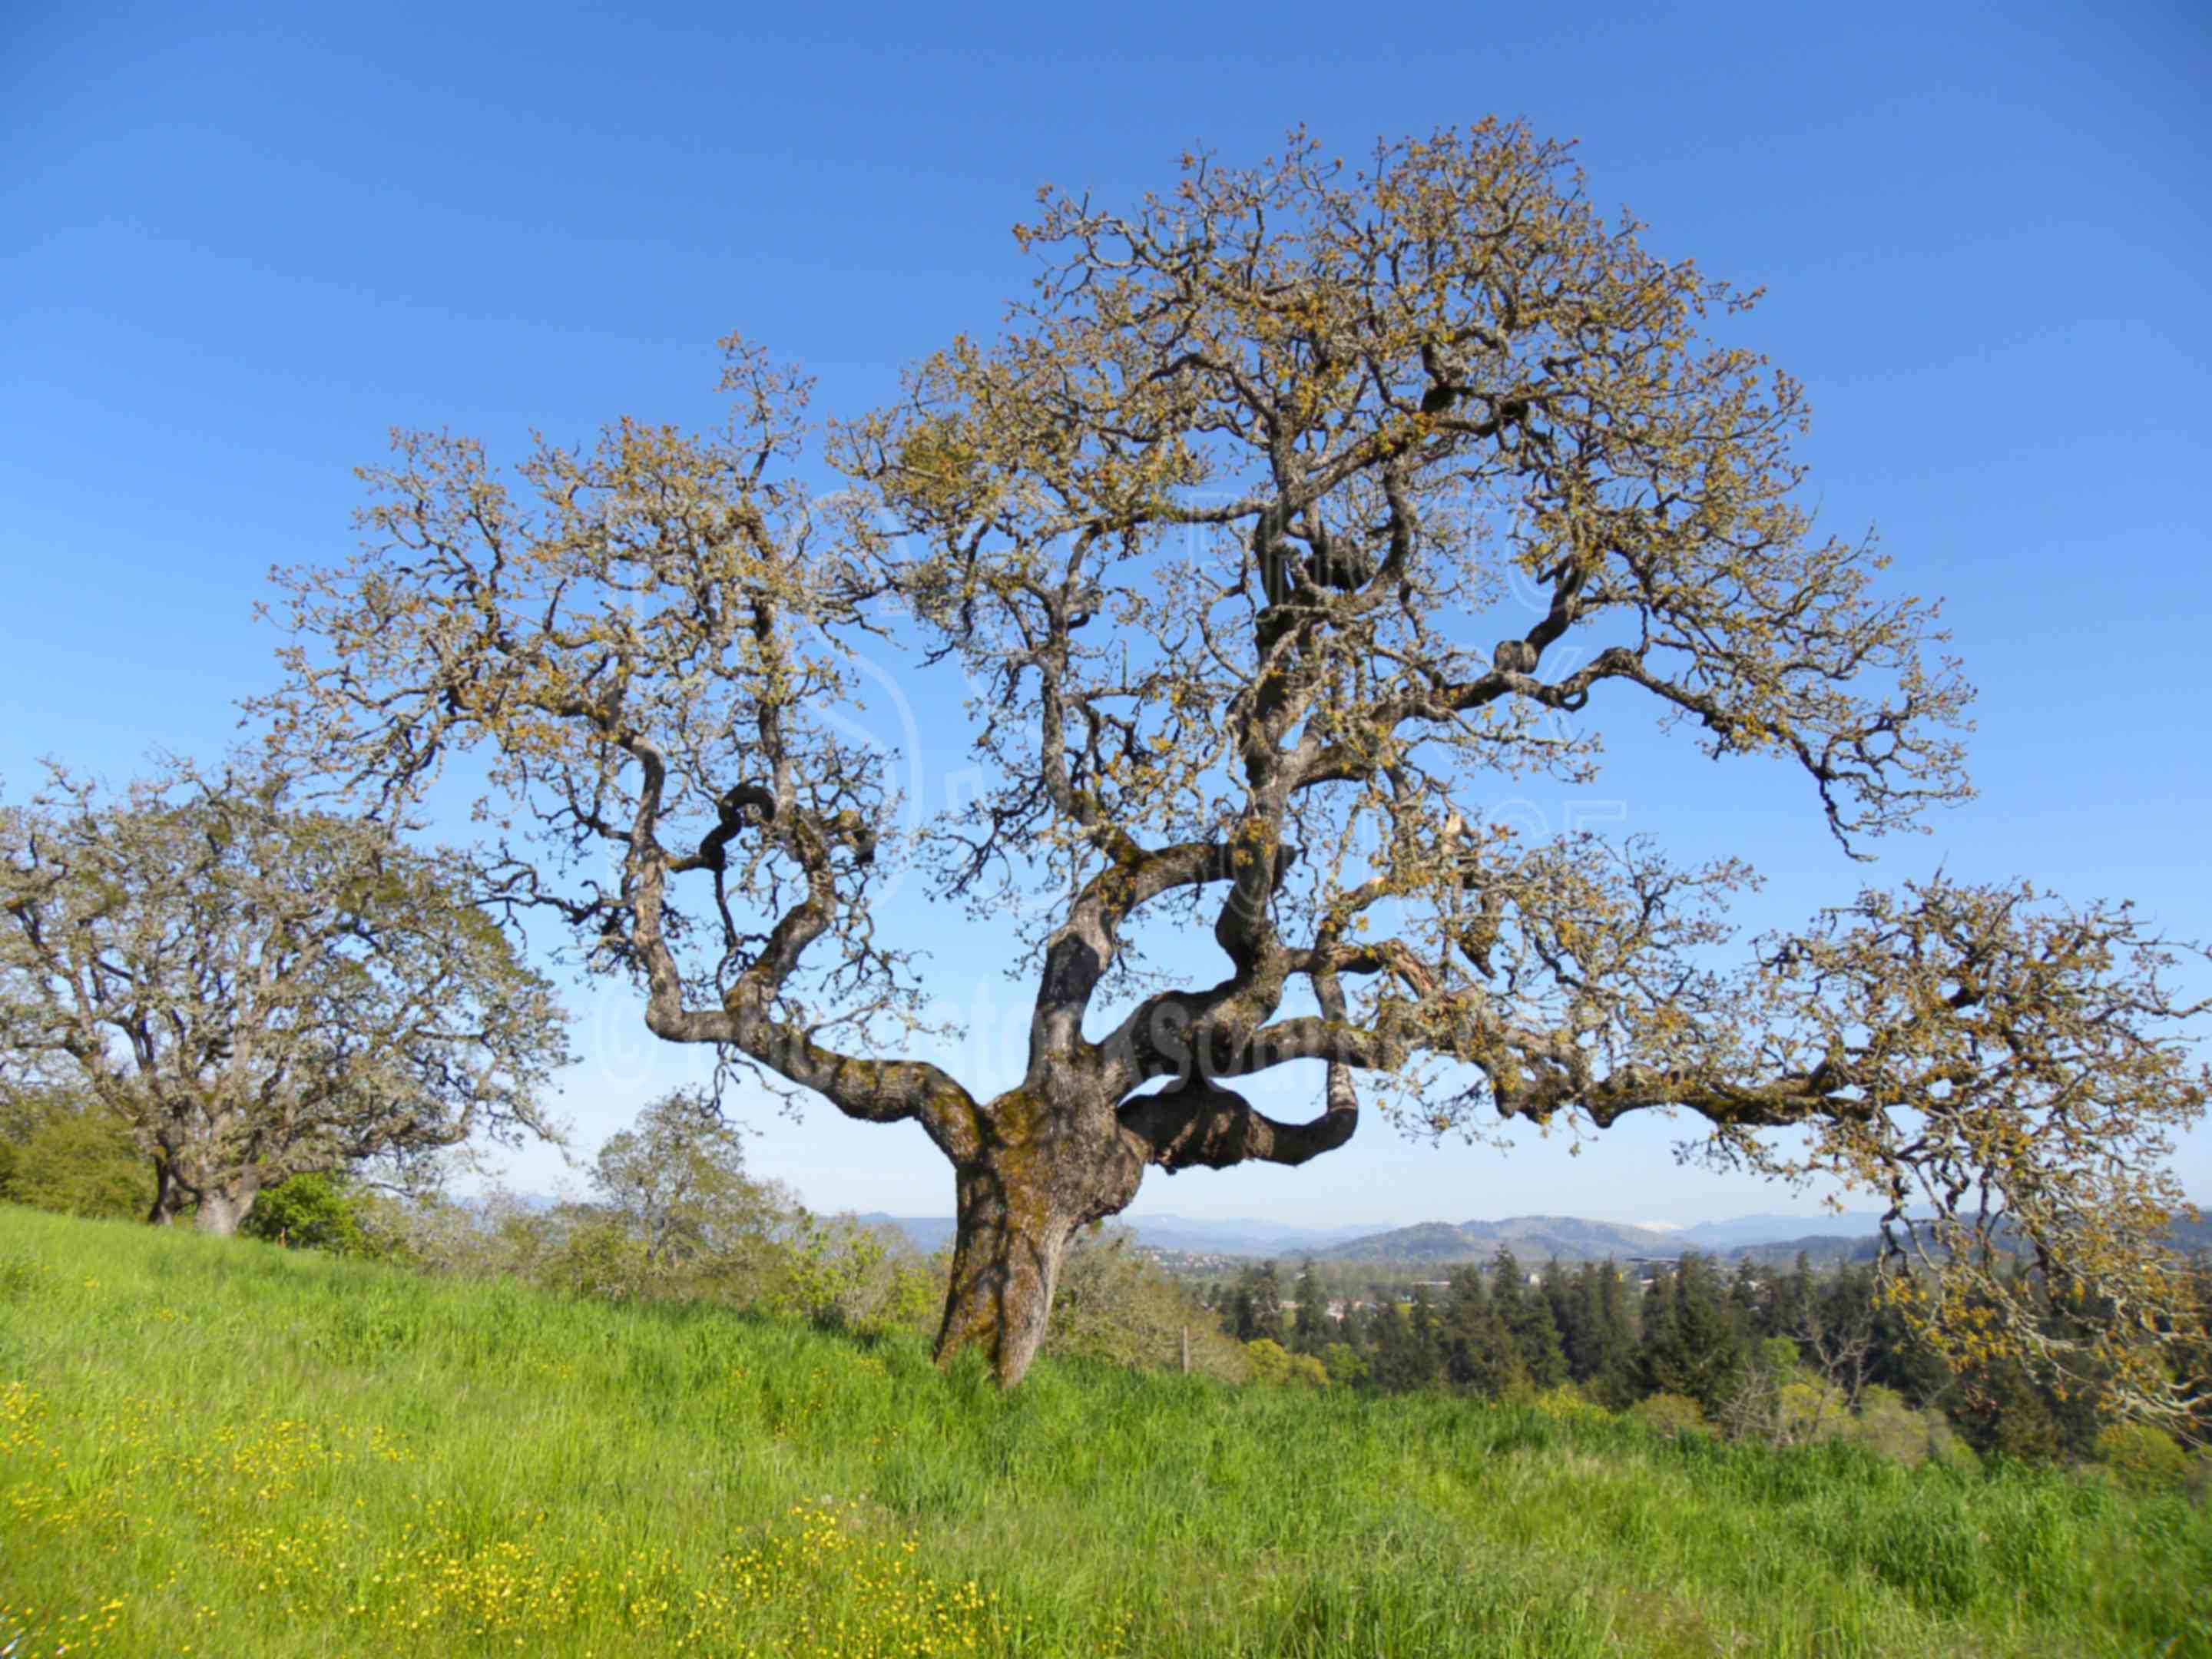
(1225, 530)
(257, 991)
(678, 1179)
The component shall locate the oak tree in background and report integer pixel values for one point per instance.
(1233, 533)
(677, 1179)
(258, 992)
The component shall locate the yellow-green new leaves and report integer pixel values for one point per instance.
(2009, 1072)
(1290, 520)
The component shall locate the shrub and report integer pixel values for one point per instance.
(1675, 1414)
(1272, 1362)
(1569, 1405)
(312, 1211)
(598, 1258)
(2143, 1459)
(1779, 1402)
(488, 1236)
(1343, 1364)
(71, 1159)
(844, 1276)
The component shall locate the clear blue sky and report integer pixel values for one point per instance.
(237, 244)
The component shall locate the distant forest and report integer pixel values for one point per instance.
(1785, 1353)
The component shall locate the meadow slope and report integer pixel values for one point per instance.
(217, 1447)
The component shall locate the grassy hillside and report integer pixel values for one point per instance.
(216, 1447)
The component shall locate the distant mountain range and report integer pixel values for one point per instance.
(1768, 1239)
(1776, 1239)
(1538, 1237)
(1770, 1229)
(1198, 1235)
(1571, 1239)
(1246, 1236)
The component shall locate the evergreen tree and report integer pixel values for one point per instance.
(1479, 1354)
(1793, 1301)
(1508, 1286)
(1613, 1377)
(2009, 1417)
(1601, 1337)
(1526, 1315)
(1255, 1310)
(1311, 1331)
(1696, 1347)
(1243, 1317)
(1266, 1306)
(1751, 1299)
(1401, 1361)
(1422, 1321)
(1537, 1339)
(1366, 1326)
(1558, 1289)
(1654, 1324)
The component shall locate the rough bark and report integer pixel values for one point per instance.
(1040, 1161)
(1035, 1170)
(1005, 1267)
(211, 1208)
(222, 1209)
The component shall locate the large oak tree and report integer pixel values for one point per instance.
(1232, 531)
(257, 991)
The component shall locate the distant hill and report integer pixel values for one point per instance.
(1719, 1235)
(1771, 1239)
(1197, 1235)
(2192, 1238)
(1240, 1236)
(1536, 1236)
(927, 1233)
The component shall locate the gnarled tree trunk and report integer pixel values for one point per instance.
(1034, 1171)
(213, 1208)
(222, 1208)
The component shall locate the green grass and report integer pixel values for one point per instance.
(219, 1448)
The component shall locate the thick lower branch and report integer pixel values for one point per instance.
(1202, 1125)
(873, 1090)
